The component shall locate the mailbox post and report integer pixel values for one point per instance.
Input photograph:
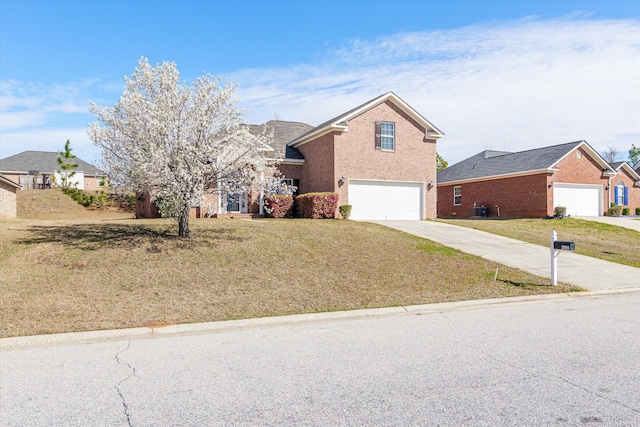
(556, 247)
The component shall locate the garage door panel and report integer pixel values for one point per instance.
(373, 200)
(580, 200)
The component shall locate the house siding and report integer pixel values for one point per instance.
(412, 160)
(634, 192)
(578, 170)
(522, 196)
(318, 170)
(7, 200)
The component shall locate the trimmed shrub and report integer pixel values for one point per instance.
(559, 211)
(638, 211)
(626, 211)
(317, 205)
(278, 206)
(345, 211)
(614, 211)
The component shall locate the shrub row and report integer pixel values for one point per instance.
(309, 205)
(80, 196)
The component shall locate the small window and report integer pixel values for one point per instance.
(457, 195)
(621, 192)
(387, 136)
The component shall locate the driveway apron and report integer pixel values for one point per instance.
(587, 272)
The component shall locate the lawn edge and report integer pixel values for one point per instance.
(90, 337)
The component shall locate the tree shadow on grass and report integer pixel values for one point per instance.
(100, 236)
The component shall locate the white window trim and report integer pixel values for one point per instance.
(383, 136)
(459, 188)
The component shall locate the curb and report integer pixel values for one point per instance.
(74, 338)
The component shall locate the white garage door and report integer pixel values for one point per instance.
(385, 200)
(580, 200)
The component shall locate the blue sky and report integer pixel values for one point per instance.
(504, 75)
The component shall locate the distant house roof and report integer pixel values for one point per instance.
(283, 133)
(340, 123)
(502, 163)
(43, 162)
(637, 167)
(617, 166)
(9, 182)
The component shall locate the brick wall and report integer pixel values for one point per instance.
(412, 160)
(579, 168)
(523, 196)
(318, 170)
(634, 192)
(7, 200)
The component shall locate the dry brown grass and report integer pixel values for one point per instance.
(74, 275)
(595, 239)
(54, 204)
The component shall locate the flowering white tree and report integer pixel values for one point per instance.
(177, 141)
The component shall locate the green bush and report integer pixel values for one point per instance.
(638, 211)
(614, 211)
(345, 211)
(626, 211)
(559, 211)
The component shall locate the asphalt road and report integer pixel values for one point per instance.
(566, 362)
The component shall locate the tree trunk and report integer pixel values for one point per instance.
(183, 223)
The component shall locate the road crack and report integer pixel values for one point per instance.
(117, 386)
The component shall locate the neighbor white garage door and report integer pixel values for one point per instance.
(385, 200)
(582, 200)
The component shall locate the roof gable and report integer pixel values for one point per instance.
(620, 166)
(9, 182)
(341, 122)
(43, 162)
(490, 164)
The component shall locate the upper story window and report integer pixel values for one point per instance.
(385, 136)
(457, 195)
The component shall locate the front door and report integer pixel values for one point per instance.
(237, 202)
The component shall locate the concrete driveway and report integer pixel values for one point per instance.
(632, 222)
(587, 272)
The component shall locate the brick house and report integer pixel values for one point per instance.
(40, 169)
(532, 183)
(625, 186)
(379, 157)
(8, 190)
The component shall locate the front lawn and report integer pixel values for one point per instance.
(60, 276)
(595, 239)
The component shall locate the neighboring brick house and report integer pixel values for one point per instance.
(531, 183)
(40, 169)
(626, 186)
(379, 157)
(8, 190)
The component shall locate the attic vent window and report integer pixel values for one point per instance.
(579, 154)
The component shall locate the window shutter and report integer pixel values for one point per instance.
(296, 183)
(626, 196)
(615, 194)
(378, 138)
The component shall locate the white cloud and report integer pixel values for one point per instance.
(502, 85)
(49, 140)
(512, 86)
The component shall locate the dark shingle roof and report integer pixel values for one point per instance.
(491, 163)
(283, 133)
(616, 165)
(43, 162)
